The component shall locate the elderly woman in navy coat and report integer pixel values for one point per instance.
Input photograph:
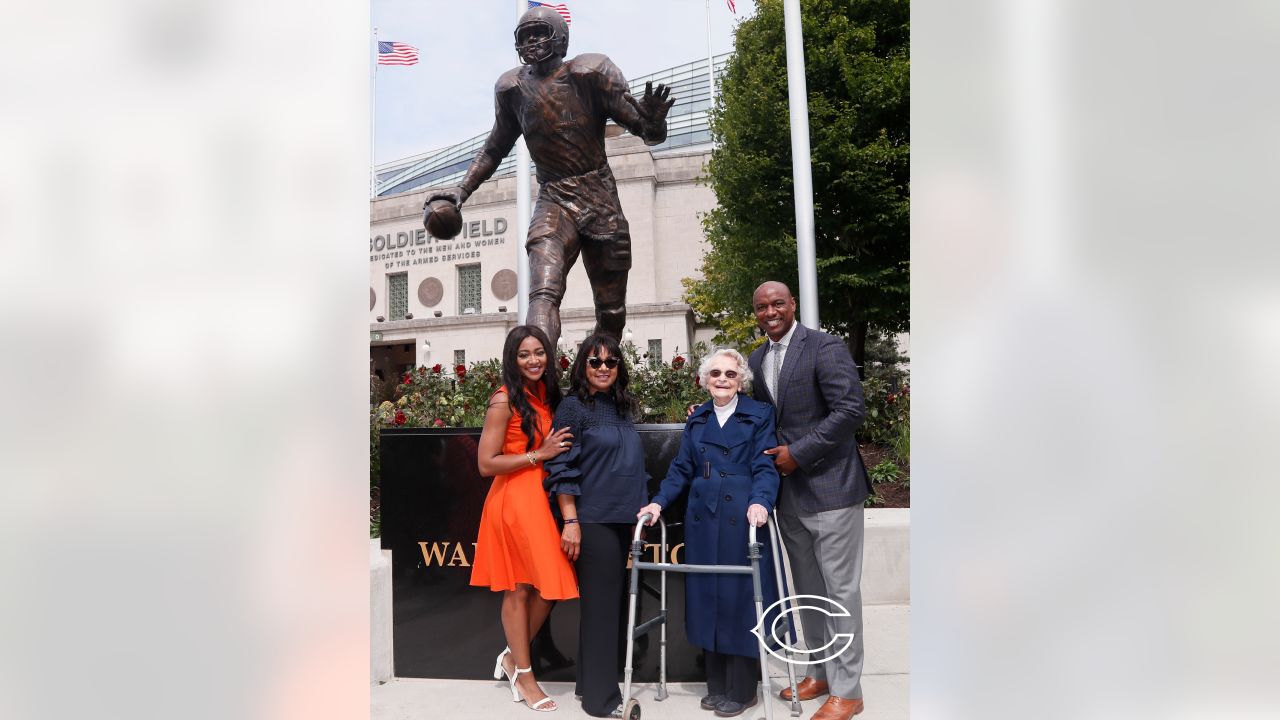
(731, 482)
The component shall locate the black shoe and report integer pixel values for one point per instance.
(711, 701)
(729, 708)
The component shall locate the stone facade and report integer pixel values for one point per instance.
(663, 203)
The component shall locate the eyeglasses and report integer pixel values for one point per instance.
(596, 362)
(731, 374)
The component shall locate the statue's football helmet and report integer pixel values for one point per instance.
(540, 35)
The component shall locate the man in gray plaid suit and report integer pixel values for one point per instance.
(810, 379)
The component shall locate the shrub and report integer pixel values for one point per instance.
(886, 387)
(886, 471)
(902, 441)
(665, 388)
(888, 421)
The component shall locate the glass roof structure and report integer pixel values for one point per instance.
(686, 127)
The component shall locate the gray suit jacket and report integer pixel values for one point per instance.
(819, 407)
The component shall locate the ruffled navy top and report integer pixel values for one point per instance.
(605, 466)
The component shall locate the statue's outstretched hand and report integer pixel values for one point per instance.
(654, 105)
(457, 196)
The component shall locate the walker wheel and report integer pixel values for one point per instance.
(631, 711)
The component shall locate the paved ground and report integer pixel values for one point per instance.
(885, 685)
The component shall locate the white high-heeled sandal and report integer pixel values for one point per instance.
(500, 672)
(515, 693)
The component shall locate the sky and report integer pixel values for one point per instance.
(464, 46)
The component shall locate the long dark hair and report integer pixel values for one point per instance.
(623, 400)
(513, 381)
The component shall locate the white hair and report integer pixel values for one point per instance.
(744, 372)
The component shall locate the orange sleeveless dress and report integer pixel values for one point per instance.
(518, 541)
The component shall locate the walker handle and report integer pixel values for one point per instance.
(640, 526)
(635, 538)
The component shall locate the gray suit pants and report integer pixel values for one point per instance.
(825, 553)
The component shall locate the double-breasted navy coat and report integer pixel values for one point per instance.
(724, 470)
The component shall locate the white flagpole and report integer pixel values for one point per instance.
(373, 120)
(801, 167)
(711, 77)
(523, 213)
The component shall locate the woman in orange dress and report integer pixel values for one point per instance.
(518, 550)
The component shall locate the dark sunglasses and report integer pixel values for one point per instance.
(731, 374)
(610, 363)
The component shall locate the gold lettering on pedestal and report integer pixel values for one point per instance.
(655, 554)
(436, 552)
(439, 554)
(458, 558)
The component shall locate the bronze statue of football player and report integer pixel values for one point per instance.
(560, 106)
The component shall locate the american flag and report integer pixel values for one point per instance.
(394, 53)
(732, 9)
(561, 8)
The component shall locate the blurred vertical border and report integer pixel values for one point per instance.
(1095, 344)
(183, 202)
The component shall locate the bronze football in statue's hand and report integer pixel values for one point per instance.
(442, 218)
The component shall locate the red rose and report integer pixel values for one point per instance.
(697, 381)
(408, 378)
(564, 363)
(400, 417)
(436, 369)
(677, 362)
(438, 423)
(422, 370)
(460, 370)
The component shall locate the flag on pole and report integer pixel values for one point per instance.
(561, 8)
(394, 53)
(732, 9)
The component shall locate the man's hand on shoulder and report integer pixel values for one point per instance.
(782, 458)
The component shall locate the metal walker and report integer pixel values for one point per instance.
(631, 708)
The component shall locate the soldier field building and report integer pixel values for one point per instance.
(452, 301)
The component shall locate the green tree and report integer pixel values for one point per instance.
(857, 68)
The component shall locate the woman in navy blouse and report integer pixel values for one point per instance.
(598, 484)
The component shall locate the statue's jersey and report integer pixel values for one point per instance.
(562, 117)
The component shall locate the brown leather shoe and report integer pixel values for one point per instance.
(807, 689)
(838, 708)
